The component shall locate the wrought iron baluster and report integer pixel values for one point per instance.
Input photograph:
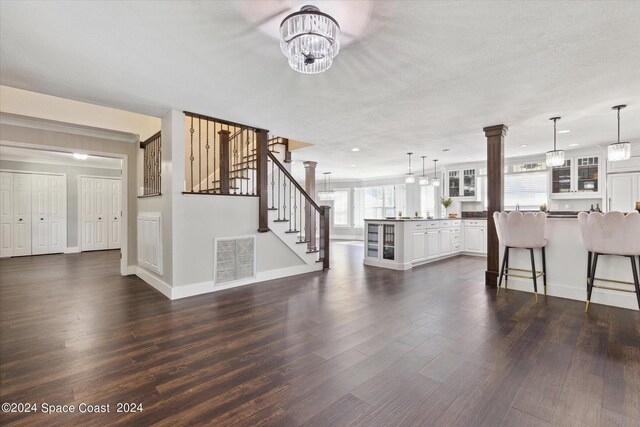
(191, 156)
(284, 198)
(290, 206)
(295, 208)
(207, 147)
(273, 184)
(279, 174)
(199, 155)
(215, 164)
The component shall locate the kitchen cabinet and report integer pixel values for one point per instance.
(578, 177)
(381, 244)
(475, 236)
(401, 244)
(624, 191)
(462, 183)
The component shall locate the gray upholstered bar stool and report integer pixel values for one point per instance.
(517, 230)
(613, 233)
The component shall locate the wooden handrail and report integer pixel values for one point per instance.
(150, 139)
(295, 183)
(224, 122)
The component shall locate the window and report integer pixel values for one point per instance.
(378, 202)
(152, 159)
(427, 200)
(341, 209)
(528, 190)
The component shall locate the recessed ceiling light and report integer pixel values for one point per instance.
(564, 131)
(355, 149)
(523, 145)
(80, 156)
(445, 149)
(575, 144)
(352, 166)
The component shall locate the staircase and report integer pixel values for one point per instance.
(230, 159)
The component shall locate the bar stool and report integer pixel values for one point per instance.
(613, 233)
(522, 231)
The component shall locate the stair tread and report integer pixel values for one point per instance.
(313, 251)
(292, 231)
(302, 241)
(281, 220)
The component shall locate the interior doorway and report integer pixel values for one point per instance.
(60, 202)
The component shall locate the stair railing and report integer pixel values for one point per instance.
(296, 208)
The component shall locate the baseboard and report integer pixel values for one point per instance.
(208, 286)
(347, 237)
(131, 269)
(473, 254)
(599, 296)
(72, 250)
(152, 280)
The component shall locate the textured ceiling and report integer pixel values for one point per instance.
(420, 76)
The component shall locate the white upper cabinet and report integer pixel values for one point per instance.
(462, 183)
(578, 177)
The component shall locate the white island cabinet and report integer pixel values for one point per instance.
(402, 243)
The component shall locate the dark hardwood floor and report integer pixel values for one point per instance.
(351, 346)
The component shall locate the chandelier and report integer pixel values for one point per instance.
(310, 40)
(555, 157)
(619, 150)
(328, 193)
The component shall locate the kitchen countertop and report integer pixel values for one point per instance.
(419, 219)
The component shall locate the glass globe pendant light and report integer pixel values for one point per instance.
(310, 40)
(328, 194)
(619, 150)
(555, 157)
(423, 178)
(409, 178)
(435, 181)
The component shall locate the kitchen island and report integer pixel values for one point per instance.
(402, 243)
(567, 267)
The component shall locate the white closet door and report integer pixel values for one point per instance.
(87, 216)
(22, 214)
(39, 214)
(115, 208)
(101, 213)
(6, 214)
(57, 213)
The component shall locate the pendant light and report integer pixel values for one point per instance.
(328, 194)
(555, 157)
(423, 179)
(435, 181)
(619, 150)
(409, 178)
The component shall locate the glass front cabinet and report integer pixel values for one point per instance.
(578, 177)
(462, 183)
(381, 243)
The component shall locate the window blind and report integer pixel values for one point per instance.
(529, 190)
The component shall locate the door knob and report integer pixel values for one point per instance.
(115, 218)
(41, 219)
(19, 219)
(99, 218)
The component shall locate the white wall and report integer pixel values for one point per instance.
(73, 200)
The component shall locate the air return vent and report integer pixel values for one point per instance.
(234, 259)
